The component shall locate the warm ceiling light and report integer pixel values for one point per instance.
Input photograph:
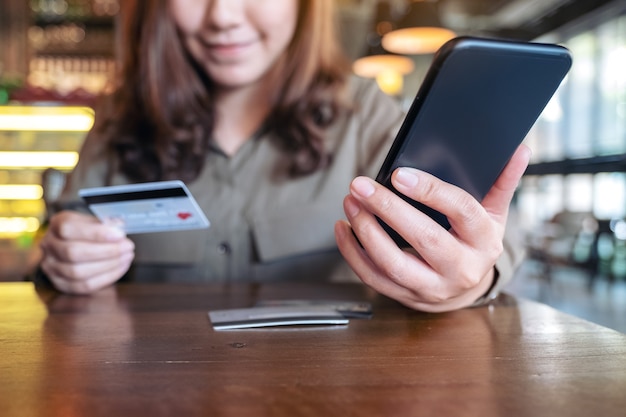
(58, 160)
(388, 70)
(371, 66)
(418, 40)
(418, 32)
(391, 82)
(46, 118)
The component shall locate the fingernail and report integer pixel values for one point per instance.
(127, 257)
(115, 233)
(351, 207)
(128, 246)
(363, 187)
(340, 230)
(407, 177)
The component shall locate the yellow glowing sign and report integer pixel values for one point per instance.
(59, 160)
(46, 118)
(21, 192)
(18, 225)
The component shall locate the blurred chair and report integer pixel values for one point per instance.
(567, 239)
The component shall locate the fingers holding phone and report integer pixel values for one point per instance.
(443, 269)
(478, 100)
(440, 271)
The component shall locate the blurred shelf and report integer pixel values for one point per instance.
(38, 142)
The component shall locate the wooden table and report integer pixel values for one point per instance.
(150, 350)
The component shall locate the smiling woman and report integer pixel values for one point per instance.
(252, 104)
(235, 42)
(171, 47)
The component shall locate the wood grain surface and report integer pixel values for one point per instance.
(149, 349)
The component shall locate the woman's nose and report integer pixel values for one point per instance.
(223, 14)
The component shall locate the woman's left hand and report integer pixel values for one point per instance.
(444, 270)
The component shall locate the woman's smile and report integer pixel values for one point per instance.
(226, 51)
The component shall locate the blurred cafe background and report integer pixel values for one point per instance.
(57, 55)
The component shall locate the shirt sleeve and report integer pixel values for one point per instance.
(506, 264)
(380, 117)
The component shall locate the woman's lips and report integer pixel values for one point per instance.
(227, 50)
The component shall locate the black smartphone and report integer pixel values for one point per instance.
(478, 100)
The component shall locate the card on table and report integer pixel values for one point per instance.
(246, 318)
(146, 207)
(347, 308)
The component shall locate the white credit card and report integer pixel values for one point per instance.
(247, 318)
(348, 309)
(146, 207)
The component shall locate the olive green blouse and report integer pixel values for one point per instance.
(264, 227)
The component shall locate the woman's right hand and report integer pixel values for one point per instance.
(82, 255)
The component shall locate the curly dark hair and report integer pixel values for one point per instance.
(159, 118)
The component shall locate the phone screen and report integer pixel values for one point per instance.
(475, 106)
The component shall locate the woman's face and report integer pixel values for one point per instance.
(236, 41)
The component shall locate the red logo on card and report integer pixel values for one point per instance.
(183, 215)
